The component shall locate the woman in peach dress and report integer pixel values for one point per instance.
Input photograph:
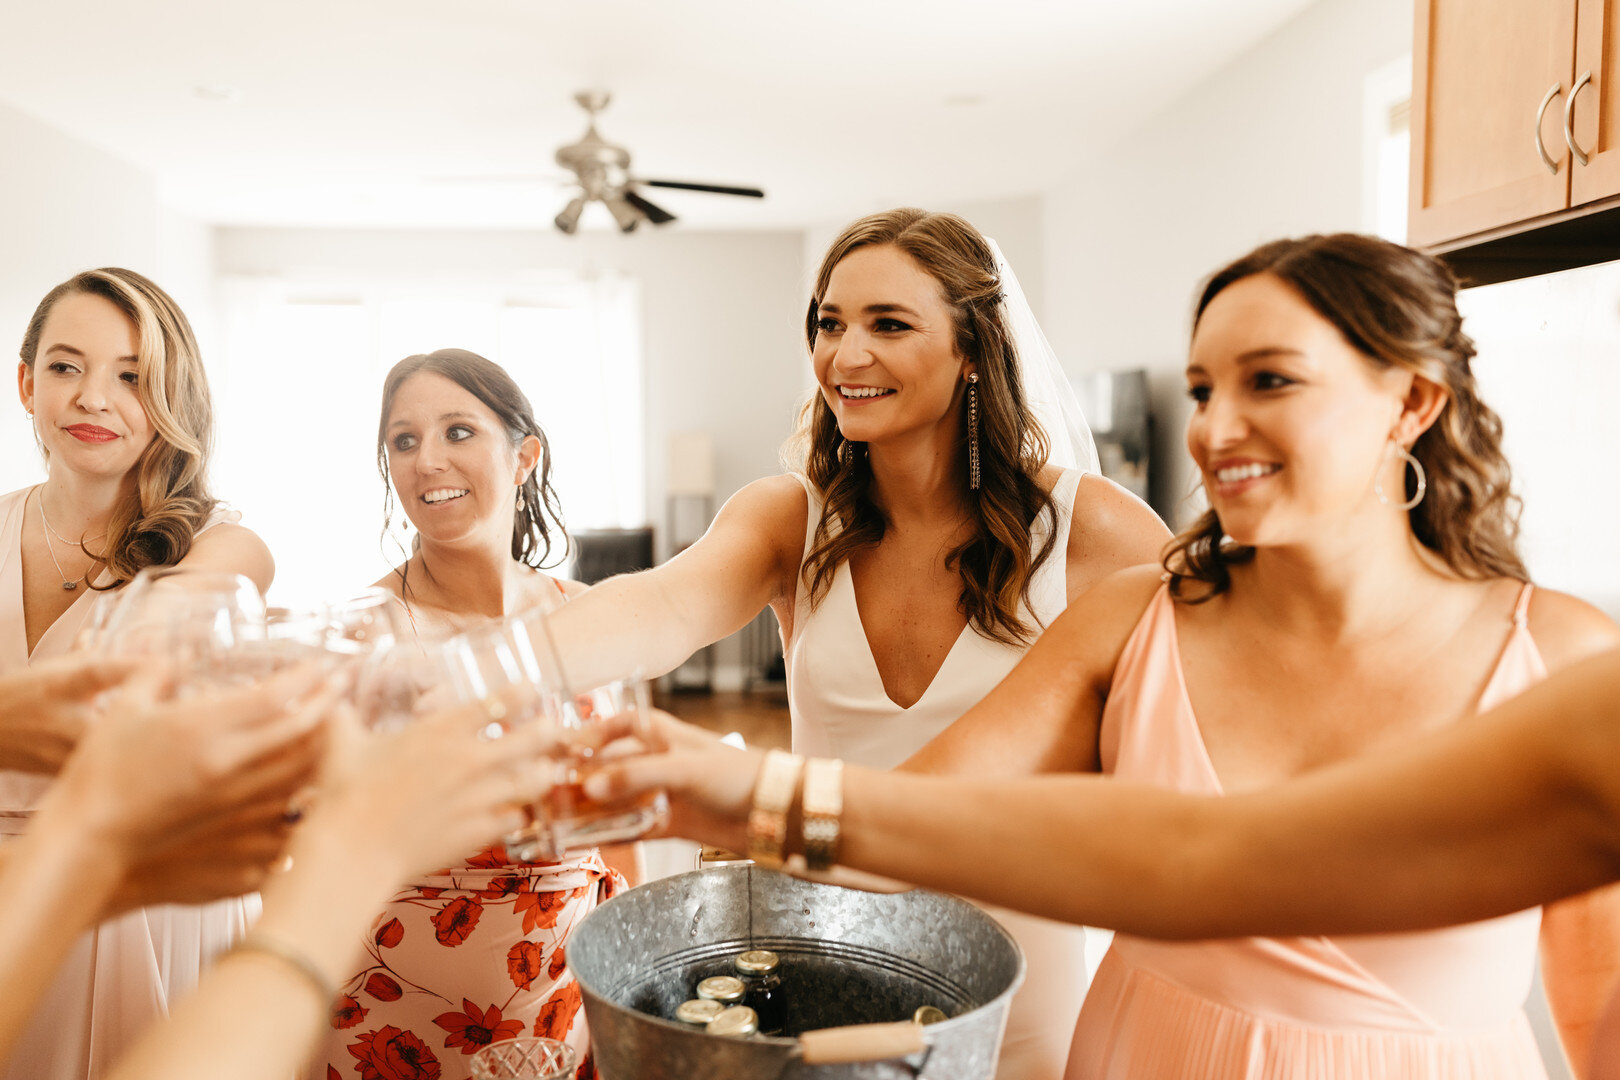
(111, 375)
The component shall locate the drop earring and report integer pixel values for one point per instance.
(973, 429)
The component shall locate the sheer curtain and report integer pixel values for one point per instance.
(301, 383)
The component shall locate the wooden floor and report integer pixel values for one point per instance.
(761, 716)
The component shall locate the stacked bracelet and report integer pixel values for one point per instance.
(823, 803)
(774, 789)
(295, 960)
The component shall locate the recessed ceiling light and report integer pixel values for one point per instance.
(218, 93)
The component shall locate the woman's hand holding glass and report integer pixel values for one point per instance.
(188, 796)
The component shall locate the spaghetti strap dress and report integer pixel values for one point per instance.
(121, 975)
(462, 957)
(1443, 1004)
(840, 709)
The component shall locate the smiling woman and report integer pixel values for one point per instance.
(111, 375)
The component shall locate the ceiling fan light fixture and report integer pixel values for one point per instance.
(568, 219)
(627, 216)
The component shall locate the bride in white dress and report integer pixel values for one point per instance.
(940, 518)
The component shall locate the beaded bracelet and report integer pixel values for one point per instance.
(774, 789)
(823, 803)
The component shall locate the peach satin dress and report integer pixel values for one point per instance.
(840, 709)
(120, 976)
(1434, 1004)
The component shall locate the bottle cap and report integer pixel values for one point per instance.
(726, 989)
(739, 1021)
(928, 1014)
(698, 1011)
(757, 962)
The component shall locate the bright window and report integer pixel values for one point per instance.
(301, 384)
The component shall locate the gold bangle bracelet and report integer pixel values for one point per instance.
(293, 959)
(777, 783)
(822, 805)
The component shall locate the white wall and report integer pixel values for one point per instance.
(64, 207)
(1270, 146)
(719, 324)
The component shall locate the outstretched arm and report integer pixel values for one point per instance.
(1519, 807)
(654, 620)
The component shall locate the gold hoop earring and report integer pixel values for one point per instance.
(1417, 470)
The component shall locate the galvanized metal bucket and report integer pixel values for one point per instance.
(852, 963)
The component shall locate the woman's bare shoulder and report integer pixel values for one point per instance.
(1568, 629)
(235, 549)
(1110, 529)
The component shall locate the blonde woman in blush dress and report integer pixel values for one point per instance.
(111, 376)
(474, 952)
(929, 539)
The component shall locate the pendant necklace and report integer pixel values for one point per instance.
(66, 584)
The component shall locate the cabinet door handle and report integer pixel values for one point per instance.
(1541, 114)
(1569, 117)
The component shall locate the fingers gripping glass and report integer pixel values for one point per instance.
(584, 727)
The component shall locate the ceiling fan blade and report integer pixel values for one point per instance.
(655, 213)
(717, 189)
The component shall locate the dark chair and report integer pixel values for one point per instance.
(602, 553)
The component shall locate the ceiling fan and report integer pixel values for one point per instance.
(602, 170)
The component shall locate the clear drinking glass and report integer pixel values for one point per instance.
(394, 684)
(210, 625)
(524, 1059)
(587, 722)
(369, 620)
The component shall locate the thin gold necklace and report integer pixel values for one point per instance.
(66, 584)
(47, 522)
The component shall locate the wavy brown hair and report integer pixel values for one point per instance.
(996, 562)
(157, 522)
(539, 516)
(1398, 308)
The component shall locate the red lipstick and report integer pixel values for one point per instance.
(91, 433)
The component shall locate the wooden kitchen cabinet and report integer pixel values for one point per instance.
(1595, 115)
(1481, 71)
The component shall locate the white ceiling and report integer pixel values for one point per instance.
(365, 112)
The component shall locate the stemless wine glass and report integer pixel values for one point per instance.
(399, 682)
(369, 620)
(200, 620)
(584, 723)
(524, 1059)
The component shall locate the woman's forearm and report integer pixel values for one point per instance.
(254, 1015)
(1495, 815)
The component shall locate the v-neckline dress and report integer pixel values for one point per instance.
(121, 975)
(1444, 1004)
(840, 709)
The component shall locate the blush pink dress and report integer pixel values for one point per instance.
(1435, 1005)
(840, 709)
(121, 975)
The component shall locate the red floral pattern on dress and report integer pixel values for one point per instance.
(391, 1054)
(556, 1016)
(523, 963)
(389, 934)
(472, 1028)
(383, 988)
(490, 934)
(347, 1012)
(457, 919)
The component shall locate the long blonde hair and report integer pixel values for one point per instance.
(995, 564)
(157, 522)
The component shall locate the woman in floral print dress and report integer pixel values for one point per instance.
(473, 953)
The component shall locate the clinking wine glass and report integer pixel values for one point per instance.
(584, 724)
(206, 623)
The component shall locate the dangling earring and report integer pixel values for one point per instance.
(846, 453)
(973, 429)
(520, 497)
(1417, 469)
